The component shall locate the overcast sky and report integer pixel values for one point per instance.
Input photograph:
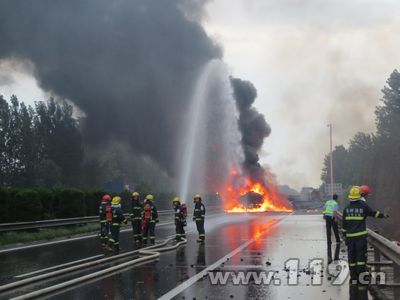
(313, 62)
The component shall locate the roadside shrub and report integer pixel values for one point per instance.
(71, 203)
(4, 203)
(28, 206)
(93, 200)
(47, 198)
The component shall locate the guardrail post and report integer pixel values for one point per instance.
(377, 258)
(396, 280)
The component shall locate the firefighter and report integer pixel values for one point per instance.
(329, 212)
(136, 217)
(117, 218)
(198, 216)
(355, 230)
(365, 191)
(149, 220)
(180, 220)
(104, 210)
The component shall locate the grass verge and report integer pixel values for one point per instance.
(15, 237)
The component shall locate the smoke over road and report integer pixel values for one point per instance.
(130, 67)
(253, 127)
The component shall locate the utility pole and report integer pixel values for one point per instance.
(331, 159)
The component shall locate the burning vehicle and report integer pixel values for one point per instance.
(244, 195)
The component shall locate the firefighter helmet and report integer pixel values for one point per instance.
(197, 196)
(176, 199)
(106, 198)
(135, 194)
(355, 193)
(116, 200)
(150, 197)
(365, 190)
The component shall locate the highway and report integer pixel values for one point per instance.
(241, 242)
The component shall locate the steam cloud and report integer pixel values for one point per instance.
(253, 127)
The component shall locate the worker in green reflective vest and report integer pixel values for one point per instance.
(329, 212)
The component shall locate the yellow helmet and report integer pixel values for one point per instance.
(150, 197)
(116, 200)
(176, 199)
(355, 193)
(135, 194)
(197, 196)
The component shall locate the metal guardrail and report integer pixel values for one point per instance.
(390, 251)
(6, 227)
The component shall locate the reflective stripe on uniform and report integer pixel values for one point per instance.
(354, 218)
(377, 214)
(360, 263)
(352, 264)
(103, 221)
(116, 224)
(356, 234)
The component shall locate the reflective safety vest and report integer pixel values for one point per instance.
(330, 207)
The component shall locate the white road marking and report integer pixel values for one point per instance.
(184, 285)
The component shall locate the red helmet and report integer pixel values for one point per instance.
(365, 190)
(106, 198)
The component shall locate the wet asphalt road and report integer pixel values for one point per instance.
(262, 242)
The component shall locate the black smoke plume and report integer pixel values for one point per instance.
(253, 127)
(129, 65)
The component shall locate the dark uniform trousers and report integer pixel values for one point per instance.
(200, 228)
(115, 228)
(149, 232)
(331, 224)
(137, 228)
(104, 230)
(357, 255)
(180, 230)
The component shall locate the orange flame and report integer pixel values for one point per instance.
(271, 200)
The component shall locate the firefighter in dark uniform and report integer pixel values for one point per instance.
(117, 218)
(198, 216)
(104, 207)
(149, 220)
(180, 220)
(136, 217)
(355, 231)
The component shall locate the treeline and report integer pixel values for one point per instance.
(18, 205)
(40, 204)
(44, 145)
(40, 145)
(374, 159)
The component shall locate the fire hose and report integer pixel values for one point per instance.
(149, 253)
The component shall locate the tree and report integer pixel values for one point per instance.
(340, 166)
(374, 159)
